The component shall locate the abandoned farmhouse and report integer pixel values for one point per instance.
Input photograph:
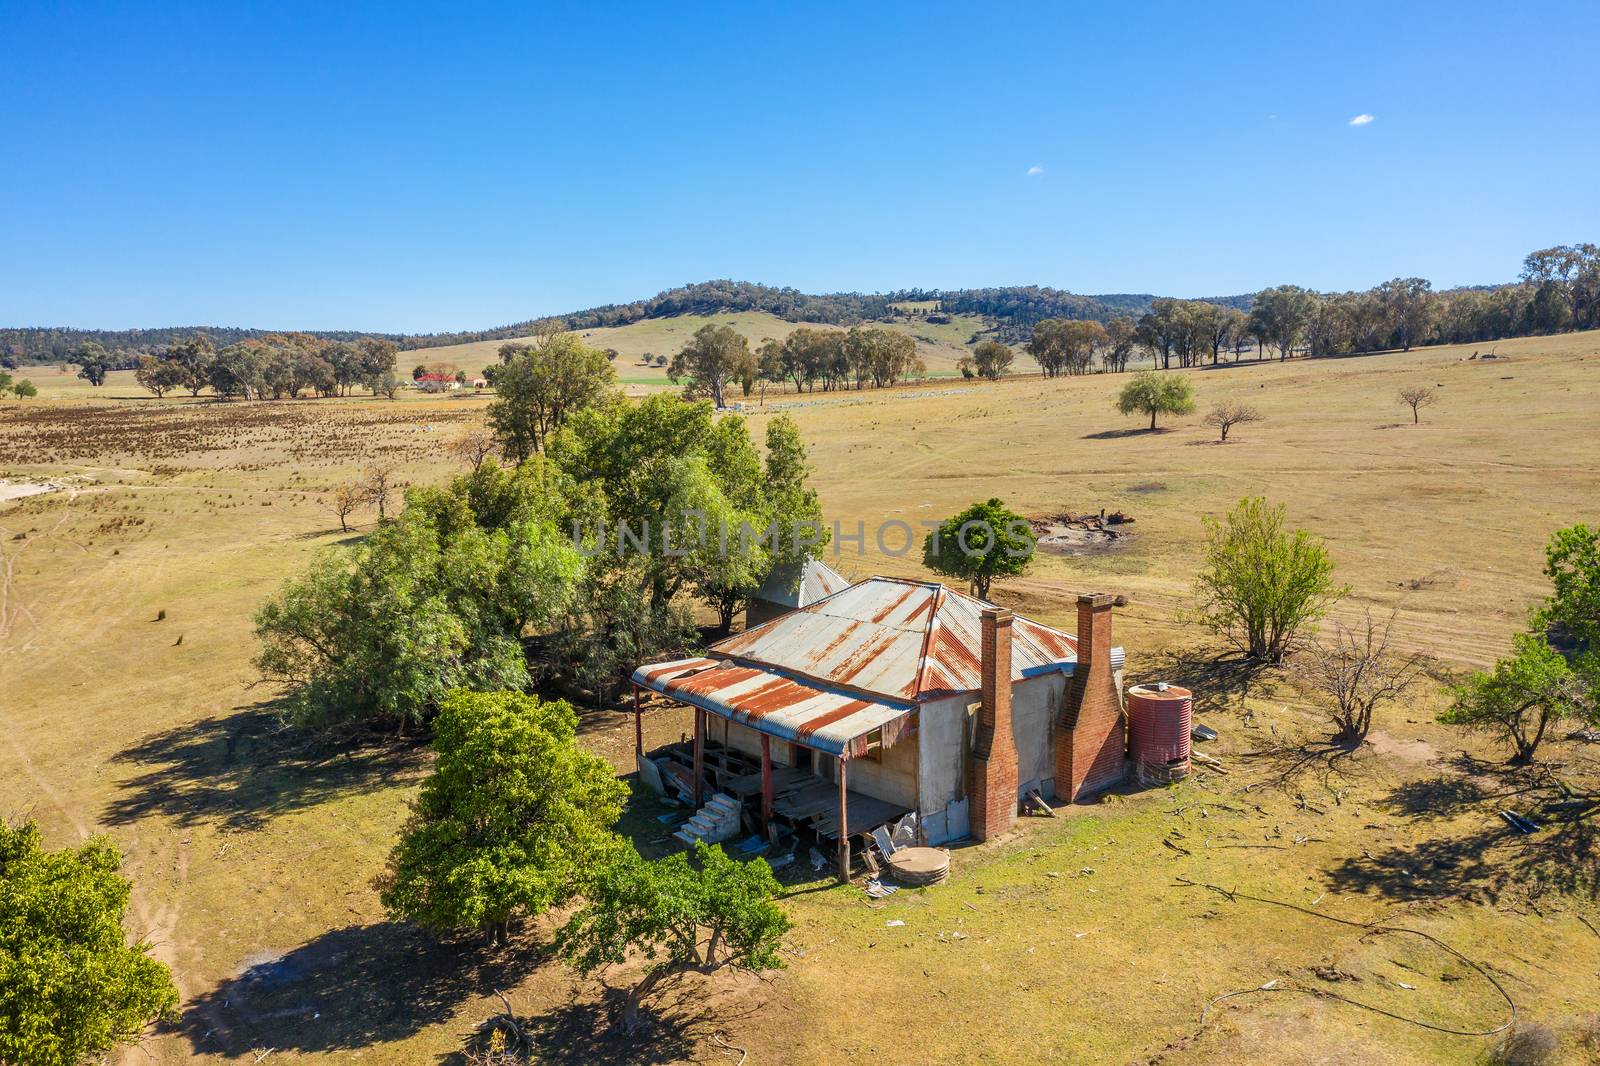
(888, 698)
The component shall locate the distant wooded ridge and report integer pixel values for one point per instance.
(1016, 306)
(1559, 289)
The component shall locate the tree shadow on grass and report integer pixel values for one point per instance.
(243, 768)
(1480, 856)
(1219, 682)
(350, 988)
(1119, 434)
(1333, 764)
(585, 1030)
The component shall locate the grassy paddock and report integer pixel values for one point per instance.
(254, 850)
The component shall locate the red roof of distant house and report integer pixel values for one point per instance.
(436, 377)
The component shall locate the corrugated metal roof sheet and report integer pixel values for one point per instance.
(903, 640)
(797, 586)
(785, 707)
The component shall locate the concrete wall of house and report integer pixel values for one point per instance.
(943, 737)
(892, 778)
(743, 738)
(942, 740)
(1035, 705)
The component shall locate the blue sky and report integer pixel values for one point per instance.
(412, 168)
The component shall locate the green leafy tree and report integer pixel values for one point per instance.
(374, 365)
(94, 362)
(192, 356)
(1154, 393)
(1263, 586)
(160, 376)
(1065, 345)
(992, 359)
(682, 917)
(1522, 697)
(1572, 563)
(385, 384)
(1281, 316)
(662, 471)
(772, 514)
(239, 370)
(25, 389)
(881, 356)
(985, 541)
(1412, 308)
(1541, 684)
(770, 368)
(513, 817)
(434, 601)
(714, 357)
(808, 355)
(1121, 336)
(1568, 276)
(538, 387)
(71, 987)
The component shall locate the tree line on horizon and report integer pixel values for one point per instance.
(1557, 290)
(276, 366)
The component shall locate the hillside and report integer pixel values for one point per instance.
(939, 344)
(1013, 309)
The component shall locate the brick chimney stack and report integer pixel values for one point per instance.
(993, 786)
(1091, 737)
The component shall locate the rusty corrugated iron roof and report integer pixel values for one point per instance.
(797, 585)
(789, 708)
(904, 640)
(856, 662)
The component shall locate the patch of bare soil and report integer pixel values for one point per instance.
(1082, 534)
(16, 490)
(1410, 752)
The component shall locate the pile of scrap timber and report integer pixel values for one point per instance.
(1107, 524)
(920, 866)
(1073, 534)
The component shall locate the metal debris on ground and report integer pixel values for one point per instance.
(1519, 823)
(920, 866)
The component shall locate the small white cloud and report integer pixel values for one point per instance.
(1035, 170)
(1361, 120)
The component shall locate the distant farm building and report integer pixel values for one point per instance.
(437, 383)
(888, 698)
(789, 587)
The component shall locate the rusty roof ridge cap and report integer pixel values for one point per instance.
(921, 681)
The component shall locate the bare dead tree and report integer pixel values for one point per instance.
(474, 447)
(1417, 397)
(379, 485)
(1357, 669)
(345, 500)
(1230, 413)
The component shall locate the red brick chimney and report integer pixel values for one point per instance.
(992, 788)
(1091, 739)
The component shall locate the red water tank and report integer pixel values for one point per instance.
(1160, 717)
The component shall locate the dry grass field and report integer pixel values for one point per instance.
(939, 345)
(127, 706)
